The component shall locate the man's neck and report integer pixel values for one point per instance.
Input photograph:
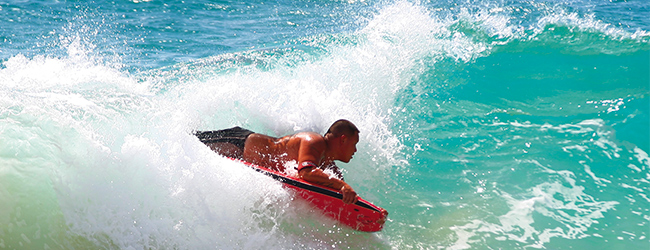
(329, 153)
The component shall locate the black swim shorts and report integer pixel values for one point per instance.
(236, 136)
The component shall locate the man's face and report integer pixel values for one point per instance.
(349, 147)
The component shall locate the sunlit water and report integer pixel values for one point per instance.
(484, 125)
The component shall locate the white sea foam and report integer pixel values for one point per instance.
(587, 22)
(130, 175)
(561, 201)
(113, 154)
(642, 157)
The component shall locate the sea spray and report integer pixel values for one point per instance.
(494, 124)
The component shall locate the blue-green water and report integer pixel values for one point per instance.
(485, 124)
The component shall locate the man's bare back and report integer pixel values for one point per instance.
(273, 152)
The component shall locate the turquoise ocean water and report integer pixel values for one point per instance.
(498, 124)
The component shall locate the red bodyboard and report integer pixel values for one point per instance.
(362, 215)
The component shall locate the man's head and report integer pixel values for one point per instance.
(343, 136)
(342, 127)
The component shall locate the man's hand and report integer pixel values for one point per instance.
(316, 175)
(349, 196)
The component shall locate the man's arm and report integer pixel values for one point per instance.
(316, 175)
(309, 154)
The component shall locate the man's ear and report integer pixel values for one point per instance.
(343, 138)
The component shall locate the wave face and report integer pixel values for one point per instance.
(498, 124)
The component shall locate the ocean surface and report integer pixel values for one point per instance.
(496, 124)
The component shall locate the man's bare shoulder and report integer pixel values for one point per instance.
(307, 138)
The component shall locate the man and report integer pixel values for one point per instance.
(313, 152)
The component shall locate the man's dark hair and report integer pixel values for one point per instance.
(342, 127)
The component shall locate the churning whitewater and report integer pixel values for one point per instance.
(484, 125)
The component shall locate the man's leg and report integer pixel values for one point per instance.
(226, 149)
(227, 142)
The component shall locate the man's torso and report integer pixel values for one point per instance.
(276, 152)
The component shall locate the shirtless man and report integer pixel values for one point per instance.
(313, 152)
